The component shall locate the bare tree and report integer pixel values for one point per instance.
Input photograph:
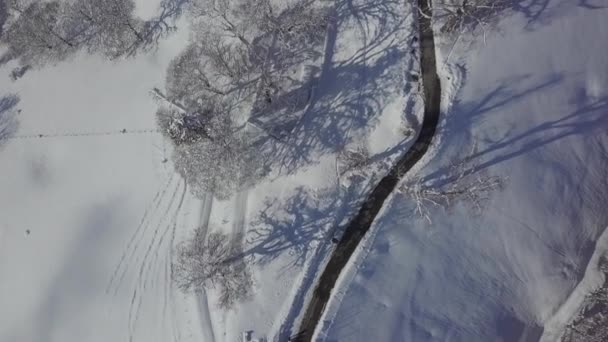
(161, 25)
(205, 85)
(238, 19)
(36, 33)
(211, 261)
(105, 26)
(463, 183)
(41, 32)
(300, 25)
(211, 154)
(219, 167)
(466, 15)
(208, 70)
(230, 66)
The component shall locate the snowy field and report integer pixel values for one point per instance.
(532, 104)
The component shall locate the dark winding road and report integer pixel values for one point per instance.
(359, 226)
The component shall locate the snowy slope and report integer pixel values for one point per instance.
(534, 102)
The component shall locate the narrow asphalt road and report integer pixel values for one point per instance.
(359, 226)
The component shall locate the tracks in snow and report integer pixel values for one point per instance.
(201, 296)
(239, 217)
(146, 259)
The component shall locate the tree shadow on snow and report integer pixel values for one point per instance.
(349, 94)
(8, 117)
(300, 229)
(588, 116)
(542, 12)
(294, 225)
(536, 13)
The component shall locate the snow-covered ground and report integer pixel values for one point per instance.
(90, 208)
(534, 103)
(88, 212)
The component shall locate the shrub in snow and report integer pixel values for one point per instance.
(406, 130)
(462, 183)
(353, 159)
(211, 261)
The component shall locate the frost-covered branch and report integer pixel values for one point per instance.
(463, 183)
(40, 32)
(464, 15)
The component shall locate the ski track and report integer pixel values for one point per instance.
(171, 226)
(169, 295)
(145, 254)
(155, 204)
(135, 247)
(145, 264)
(153, 237)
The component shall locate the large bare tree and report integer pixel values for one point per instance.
(40, 32)
(36, 32)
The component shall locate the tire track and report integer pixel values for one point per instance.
(204, 312)
(240, 214)
(201, 296)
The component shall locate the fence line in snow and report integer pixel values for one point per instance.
(83, 134)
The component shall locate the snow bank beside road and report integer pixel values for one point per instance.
(593, 278)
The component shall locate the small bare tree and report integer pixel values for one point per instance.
(161, 26)
(466, 15)
(463, 183)
(211, 261)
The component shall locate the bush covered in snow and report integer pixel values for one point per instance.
(211, 261)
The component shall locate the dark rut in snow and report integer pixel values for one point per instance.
(361, 223)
